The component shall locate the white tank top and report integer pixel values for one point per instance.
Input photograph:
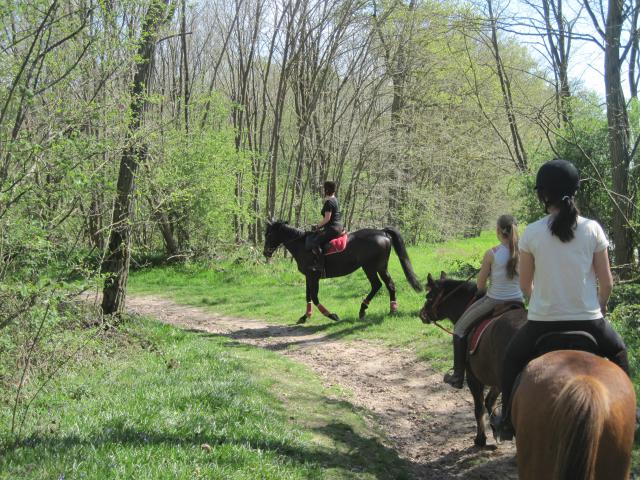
(502, 287)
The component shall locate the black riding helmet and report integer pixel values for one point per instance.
(558, 178)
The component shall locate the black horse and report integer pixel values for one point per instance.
(366, 248)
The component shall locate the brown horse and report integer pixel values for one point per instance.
(574, 415)
(448, 298)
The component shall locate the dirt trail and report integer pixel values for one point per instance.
(428, 423)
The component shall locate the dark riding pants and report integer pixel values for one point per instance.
(521, 347)
(318, 239)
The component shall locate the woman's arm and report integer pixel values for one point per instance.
(605, 279)
(485, 270)
(326, 219)
(526, 267)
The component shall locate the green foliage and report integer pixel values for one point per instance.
(626, 320)
(194, 183)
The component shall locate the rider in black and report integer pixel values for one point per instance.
(329, 228)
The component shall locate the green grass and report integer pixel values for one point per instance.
(275, 292)
(141, 403)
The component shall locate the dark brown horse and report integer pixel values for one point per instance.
(574, 415)
(448, 298)
(367, 249)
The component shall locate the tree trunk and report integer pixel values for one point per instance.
(116, 262)
(618, 123)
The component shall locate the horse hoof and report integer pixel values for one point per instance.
(301, 320)
(393, 311)
(480, 441)
(334, 317)
(362, 314)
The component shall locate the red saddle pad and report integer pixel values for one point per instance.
(338, 244)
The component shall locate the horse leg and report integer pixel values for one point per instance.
(391, 287)
(477, 390)
(490, 399)
(372, 275)
(314, 287)
(309, 311)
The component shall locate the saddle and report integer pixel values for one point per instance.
(552, 341)
(568, 340)
(481, 325)
(337, 245)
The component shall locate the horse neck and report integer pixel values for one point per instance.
(293, 244)
(466, 291)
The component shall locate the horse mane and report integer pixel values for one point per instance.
(448, 284)
(292, 231)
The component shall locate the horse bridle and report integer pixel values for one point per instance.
(434, 306)
(441, 297)
(271, 251)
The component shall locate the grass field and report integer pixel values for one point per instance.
(141, 403)
(251, 288)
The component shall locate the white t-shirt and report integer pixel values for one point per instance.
(564, 282)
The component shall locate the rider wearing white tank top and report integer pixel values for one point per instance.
(499, 267)
(502, 287)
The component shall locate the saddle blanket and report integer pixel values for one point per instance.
(338, 244)
(478, 330)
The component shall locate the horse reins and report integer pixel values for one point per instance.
(441, 298)
(288, 242)
(444, 329)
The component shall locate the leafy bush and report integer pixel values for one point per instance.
(626, 320)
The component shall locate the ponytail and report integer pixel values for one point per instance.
(509, 230)
(564, 222)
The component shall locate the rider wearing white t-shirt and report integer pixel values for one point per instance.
(564, 277)
(564, 269)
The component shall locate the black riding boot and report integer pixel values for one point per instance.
(456, 378)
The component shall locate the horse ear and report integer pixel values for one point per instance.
(430, 282)
(443, 275)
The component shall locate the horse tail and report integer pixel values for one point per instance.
(401, 251)
(578, 416)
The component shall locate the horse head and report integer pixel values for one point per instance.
(270, 235)
(435, 292)
(273, 236)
